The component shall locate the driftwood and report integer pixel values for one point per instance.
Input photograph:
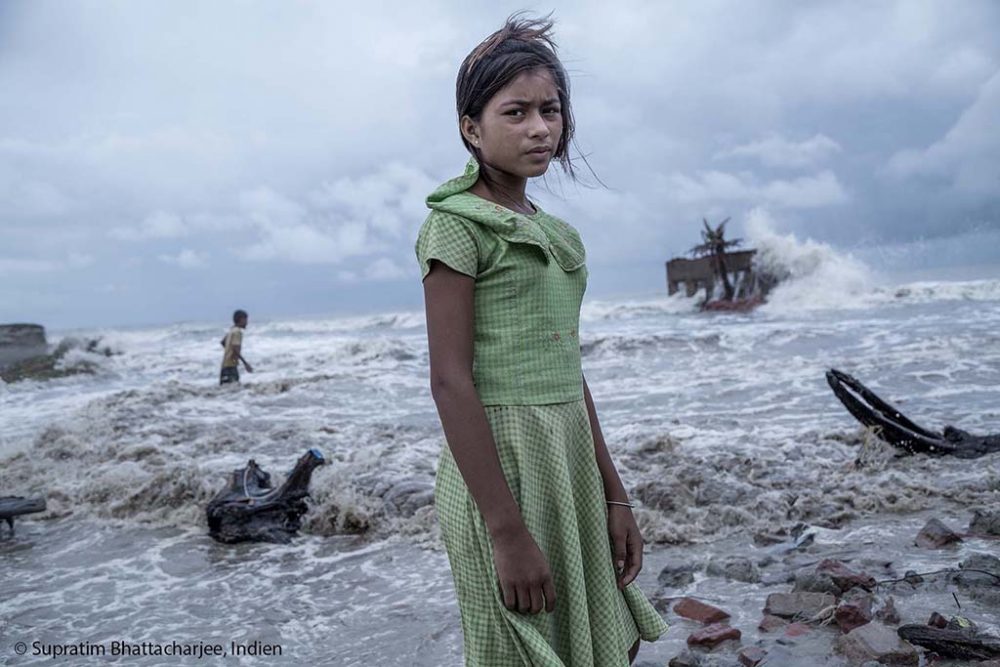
(895, 428)
(250, 509)
(952, 642)
(12, 506)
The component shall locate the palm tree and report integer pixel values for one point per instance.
(714, 243)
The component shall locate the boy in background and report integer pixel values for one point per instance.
(232, 343)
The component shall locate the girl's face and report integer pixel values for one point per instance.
(520, 127)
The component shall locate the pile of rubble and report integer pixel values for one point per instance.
(856, 613)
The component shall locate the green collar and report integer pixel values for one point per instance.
(543, 230)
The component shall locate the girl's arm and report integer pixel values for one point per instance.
(625, 537)
(525, 580)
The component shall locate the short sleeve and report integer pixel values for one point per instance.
(236, 336)
(450, 240)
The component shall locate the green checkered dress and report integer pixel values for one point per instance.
(530, 279)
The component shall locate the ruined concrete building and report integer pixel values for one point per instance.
(700, 274)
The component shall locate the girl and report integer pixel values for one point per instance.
(526, 492)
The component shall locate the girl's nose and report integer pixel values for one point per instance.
(538, 127)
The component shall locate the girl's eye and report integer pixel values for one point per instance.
(515, 112)
(552, 110)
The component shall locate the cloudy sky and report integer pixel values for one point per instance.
(167, 161)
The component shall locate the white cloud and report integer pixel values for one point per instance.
(32, 198)
(78, 260)
(157, 225)
(817, 191)
(968, 155)
(284, 232)
(707, 187)
(9, 265)
(777, 151)
(388, 199)
(353, 216)
(186, 259)
(321, 152)
(264, 205)
(384, 269)
(21, 265)
(299, 243)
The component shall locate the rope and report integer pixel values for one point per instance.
(950, 570)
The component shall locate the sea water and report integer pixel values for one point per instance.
(722, 427)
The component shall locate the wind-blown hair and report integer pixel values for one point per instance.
(522, 44)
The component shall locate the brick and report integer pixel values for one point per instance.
(875, 641)
(797, 630)
(752, 656)
(713, 635)
(699, 611)
(935, 535)
(844, 577)
(798, 605)
(771, 623)
(854, 612)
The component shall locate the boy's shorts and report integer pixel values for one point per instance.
(229, 374)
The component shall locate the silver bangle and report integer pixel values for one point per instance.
(615, 502)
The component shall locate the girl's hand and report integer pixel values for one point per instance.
(525, 579)
(626, 544)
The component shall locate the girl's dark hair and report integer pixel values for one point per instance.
(522, 44)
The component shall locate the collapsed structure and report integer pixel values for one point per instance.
(700, 274)
(728, 276)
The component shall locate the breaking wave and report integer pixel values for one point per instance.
(613, 345)
(813, 275)
(133, 456)
(825, 479)
(158, 455)
(928, 292)
(719, 423)
(606, 310)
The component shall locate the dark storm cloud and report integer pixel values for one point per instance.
(162, 161)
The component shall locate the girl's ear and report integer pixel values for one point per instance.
(470, 130)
